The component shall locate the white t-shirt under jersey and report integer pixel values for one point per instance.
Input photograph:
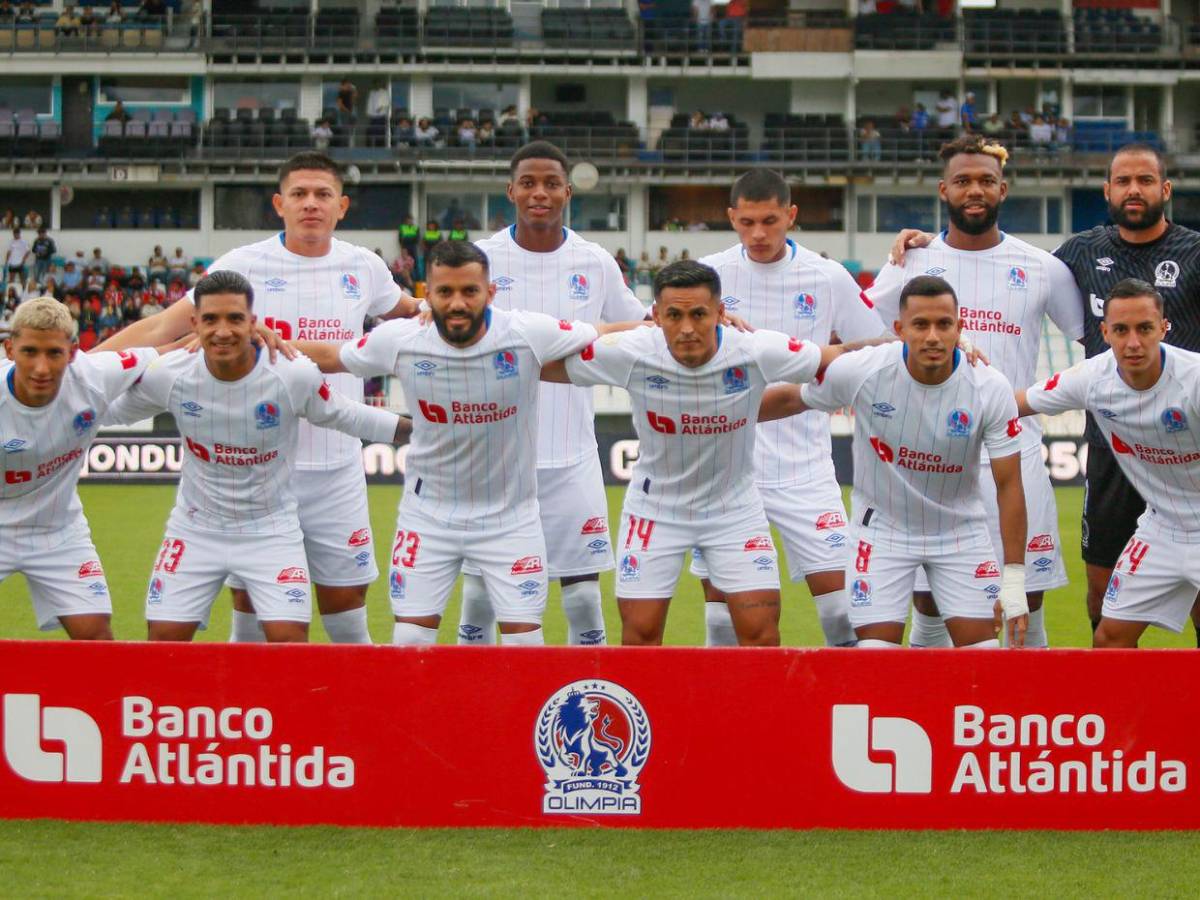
(917, 446)
(42, 447)
(1151, 432)
(580, 281)
(1003, 294)
(805, 296)
(695, 426)
(240, 437)
(316, 298)
(471, 459)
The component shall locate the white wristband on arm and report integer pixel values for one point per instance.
(1012, 591)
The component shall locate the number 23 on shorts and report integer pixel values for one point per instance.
(404, 550)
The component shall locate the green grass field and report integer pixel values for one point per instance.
(55, 859)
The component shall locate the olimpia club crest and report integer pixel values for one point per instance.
(592, 739)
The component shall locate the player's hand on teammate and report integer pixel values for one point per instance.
(263, 337)
(735, 322)
(908, 239)
(974, 355)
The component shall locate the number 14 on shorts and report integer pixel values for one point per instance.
(640, 530)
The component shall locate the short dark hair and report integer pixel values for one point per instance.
(538, 150)
(1128, 288)
(1139, 147)
(926, 286)
(308, 160)
(223, 282)
(686, 273)
(456, 254)
(759, 185)
(972, 144)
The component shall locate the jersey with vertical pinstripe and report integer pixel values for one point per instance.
(809, 297)
(240, 438)
(42, 447)
(920, 503)
(316, 298)
(472, 455)
(1004, 293)
(1152, 433)
(695, 425)
(550, 283)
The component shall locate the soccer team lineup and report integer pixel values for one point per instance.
(952, 516)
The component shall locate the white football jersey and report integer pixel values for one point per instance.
(695, 426)
(580, 281)
(316, 298)
(1150, 432)
(917, 446)
(42, 448)
(240, 437)
(472, 455)
(805, 296)
(1003, 295)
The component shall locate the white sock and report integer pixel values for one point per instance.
(1035, 633)
(585, 615)
(477, 624)
(718, 626)
(990, 644)
(875, 643)
(928, 631)
(348, 627)
(406, 634)
(246, 629)
(523, 639)
(834, 613)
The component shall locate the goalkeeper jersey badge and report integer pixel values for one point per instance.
(592, 739)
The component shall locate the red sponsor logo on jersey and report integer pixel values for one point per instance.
(886, 453)
(828, 520)
(360, 538)
(564, 325)
(1119, 445)
(292, 575)
(795, 344)
(199, 450)
(128, 360)
(527, 565)
(1052, 382)
(1014, 427)
(660, 423)
(1040, 543)
(987, 569)
(362, 342)
(324, 390)
(588, 353)
(14, 477)
(597, 525)
(758, 542)
(433, 412)
(284, 329)
(91, 569)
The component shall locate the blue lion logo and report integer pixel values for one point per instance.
(592, 749)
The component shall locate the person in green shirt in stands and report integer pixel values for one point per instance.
(458, 231)
(410, 235)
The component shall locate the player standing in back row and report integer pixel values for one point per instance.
(772, 282)
(541, 266)
(308, 285)
(1005, 288)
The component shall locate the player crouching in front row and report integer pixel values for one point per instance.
(921, 418)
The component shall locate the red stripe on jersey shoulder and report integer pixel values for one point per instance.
(128, 359)
(323, 390)
(588, 353)
(866, 299)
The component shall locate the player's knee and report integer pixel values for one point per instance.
(88, 628)
(340, 598)
(764, 635)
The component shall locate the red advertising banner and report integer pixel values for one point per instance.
(615, 737)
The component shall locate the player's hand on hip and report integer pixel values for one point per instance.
(269, 338)
(909, 238)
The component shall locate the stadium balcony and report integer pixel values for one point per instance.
(473, 26)
(590, 29)
(1115, 31)
(21, 134)
(791, 138)
(903, 31)
(126, 37)
(678, 38)
(147, 135)
(248, 133)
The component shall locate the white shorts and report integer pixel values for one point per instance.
(1156, 578)
(332, 504)
(879, 581)
(66, 580)
(192, 565)
(738, 548)
(574, 509)
(1044, 565)
(427, 557)
(811, 520)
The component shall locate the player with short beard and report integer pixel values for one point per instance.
(1005, 287)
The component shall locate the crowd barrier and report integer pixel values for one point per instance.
(448, 736)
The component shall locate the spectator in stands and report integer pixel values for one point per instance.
(702, 22)
(322, 134)
(403, 135)
(379, 104)
(347, 102)
(625, 264)
(151, 9)
(1027, 115)
(98, 261)
(87, 337)
(68, 23)
(118, 114)
(136, 281)
(33, 220)
(44, 249)
(157, 265)
(920, 118)
(402, 270)
(698, 121)
(730, 26)
(12, 296)
(196, 274)
(87, 21)
(699, 225)
(993, 125)
(150, 307)
(426, 133)
(467, 133)
(970, 121)
(177, 266)
(664, 258)
(18, 254)
(509, 114)
(10, 220)
(870, 141)
(1016, 125)
(409, 235)
(947, 111)
(32, 289)
(95, 280)
(644, 272)
(7, 13)
(718, 122)
(1062, 134)
(1041, 135)
(115, 14)
(683, 254)
(26, 14)
(130, 308)
(72, 278)
(52, 288)
(486, 136)
(109, 319)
